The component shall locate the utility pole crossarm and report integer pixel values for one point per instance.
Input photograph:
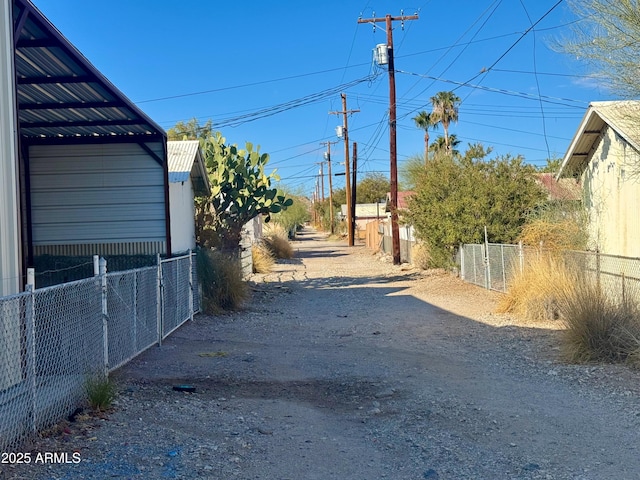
(344, 113)
(401, 18)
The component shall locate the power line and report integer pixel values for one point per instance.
(548, 99)
(535, 75)
(513, 45)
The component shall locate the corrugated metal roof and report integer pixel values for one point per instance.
(185, 160)
(182, 154)
(622, 116)
(60, 94)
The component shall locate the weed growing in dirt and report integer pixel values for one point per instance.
(263, 260)
(420, 256)
(223, 287)
(101, 392)
(277, 241)
(600, 326)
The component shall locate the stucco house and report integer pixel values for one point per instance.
(604, 156)
(187, 179)
(90, 175)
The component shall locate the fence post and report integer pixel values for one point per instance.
(598, 269)
(135, 311)
(105, 312)
(475, 272)
(159, 308)
(462, 261)
(504, 269)
(96, 265)
(30, 324)
(521, 256)
(190, 286)
(487, 264)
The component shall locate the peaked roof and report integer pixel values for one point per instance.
(561, 188)
(61, 96)
(403, 199)
(185, 160)
(622, 116)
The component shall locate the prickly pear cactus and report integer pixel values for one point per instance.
(240, 191)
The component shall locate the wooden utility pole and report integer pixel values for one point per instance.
(352, 226)
(345, 133)
(395, 231)
(328, 144)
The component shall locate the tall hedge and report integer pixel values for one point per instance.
(456, 197)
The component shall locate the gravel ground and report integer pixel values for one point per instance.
(344, 366)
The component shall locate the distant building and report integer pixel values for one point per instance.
(187, 179)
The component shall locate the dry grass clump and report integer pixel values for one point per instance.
(556, 235)
(533, 292)
(600, 326)
(223, 287)
(263, 260)
(276, 239)
(420, 256)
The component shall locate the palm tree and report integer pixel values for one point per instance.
(445, 110)
(440, 145)
(425, 121)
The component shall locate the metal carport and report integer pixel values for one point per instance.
(93, 167)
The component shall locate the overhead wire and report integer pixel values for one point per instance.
(273, 110)
(535, 68)
(546, 98)
(512, 46)
(447, 51)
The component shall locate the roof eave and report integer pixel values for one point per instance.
(31, 11)
(568, 166)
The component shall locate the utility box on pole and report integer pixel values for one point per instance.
(381, 54)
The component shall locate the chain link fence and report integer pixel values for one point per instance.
(52, 340)
(493, 266)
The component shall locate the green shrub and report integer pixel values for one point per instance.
(223, 287)
(101, 392)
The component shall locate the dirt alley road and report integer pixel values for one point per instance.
(346, 367)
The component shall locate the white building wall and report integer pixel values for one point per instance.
(97, 195)
(612, 185)
(183, 230)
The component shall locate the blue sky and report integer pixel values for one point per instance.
(270, 72)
